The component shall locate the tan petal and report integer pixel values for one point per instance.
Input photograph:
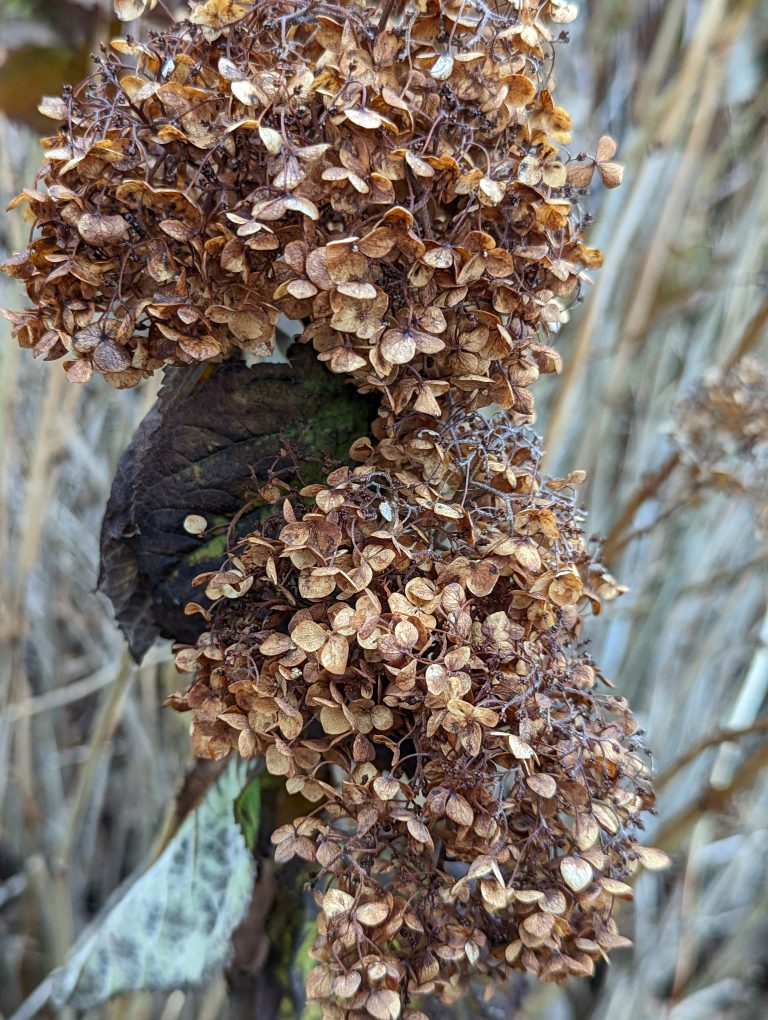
(309, 636)
(372, 914)
(383, 1004)
(397, 347)
(580, 174)
(246, 92)
(334, 655)
(576, 873)
(606, 148)
(543, 785)
(654, 860)
(364, 118)
(522, 90)
(611, 174)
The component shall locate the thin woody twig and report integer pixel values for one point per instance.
(646, 491)
(720, 736)
(711, 799)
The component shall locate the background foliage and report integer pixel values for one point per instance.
(88, 763)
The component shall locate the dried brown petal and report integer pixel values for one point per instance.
(576, 873)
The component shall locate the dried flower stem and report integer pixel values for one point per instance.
(715, 739)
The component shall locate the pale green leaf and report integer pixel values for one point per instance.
(171, 928)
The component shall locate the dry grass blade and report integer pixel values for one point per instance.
(685, 644)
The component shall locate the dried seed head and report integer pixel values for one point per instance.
(403, 193)
(483, 806)
(721, 432)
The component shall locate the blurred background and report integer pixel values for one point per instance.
(663, 400)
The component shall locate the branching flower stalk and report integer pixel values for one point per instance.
(719, 438)
(400, 641)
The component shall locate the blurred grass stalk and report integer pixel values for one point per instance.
(86, 765)
(683, 292)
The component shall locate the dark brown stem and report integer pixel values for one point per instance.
(720, 736)
(386, 14)
(648, 489)
(711, 799)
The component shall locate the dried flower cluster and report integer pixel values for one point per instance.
(723, 433)
(400, 187)
(401, 645)
(401, 642)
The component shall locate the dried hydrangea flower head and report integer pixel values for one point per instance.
(722, 430)
(395, 179)
(401, 641)
(402, 645)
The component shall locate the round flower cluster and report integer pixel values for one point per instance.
(722, 432)
(390, 174)
(401, 644)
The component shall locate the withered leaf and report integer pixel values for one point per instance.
(203, 448)
(171, 924)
